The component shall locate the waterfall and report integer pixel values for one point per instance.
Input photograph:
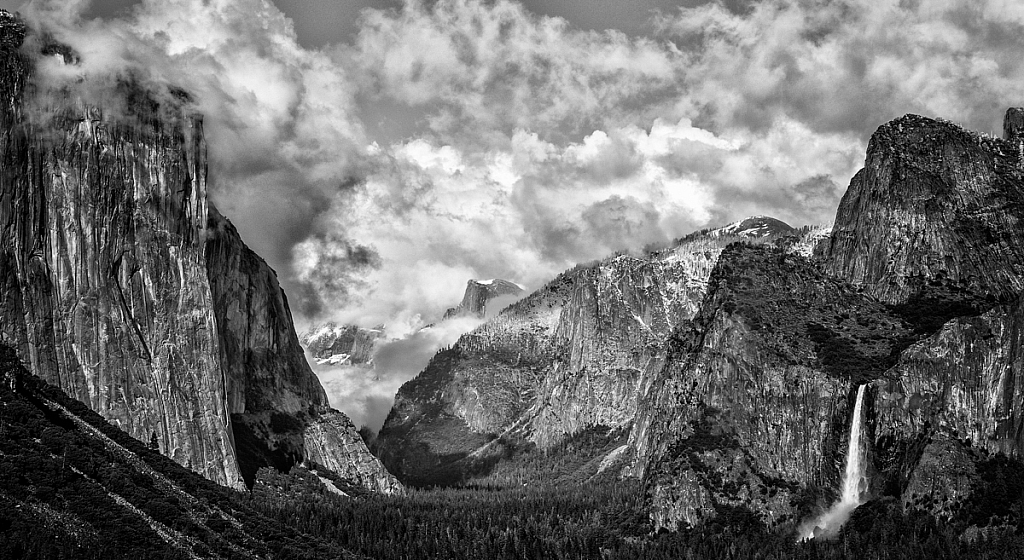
(854, 482)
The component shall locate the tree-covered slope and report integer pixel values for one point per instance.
(73, 486)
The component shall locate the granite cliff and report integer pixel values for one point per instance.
(124, 288)
(570, 356)
(331, 343)
(479, 293)
(934, 202)
(731, 360)
(915, 293)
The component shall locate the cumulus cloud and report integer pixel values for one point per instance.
(527, 145)
(850, 65)
(490, 68)
(285, 140)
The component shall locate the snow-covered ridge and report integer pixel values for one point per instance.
(491, 281)
(754, 226)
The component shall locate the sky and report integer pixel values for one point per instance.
(379, 153)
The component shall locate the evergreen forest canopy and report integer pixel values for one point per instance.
(73, 486)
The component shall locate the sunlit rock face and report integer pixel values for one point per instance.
(479, 293)
(331, 441)
(576, 353)
(103, 264)
(121, 285)
(966, 379)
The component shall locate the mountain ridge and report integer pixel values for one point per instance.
(742, 399)
(568, 356)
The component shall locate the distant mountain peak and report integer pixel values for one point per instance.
(478, 293)
(756, 227)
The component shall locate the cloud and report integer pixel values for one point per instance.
(489, 68)
(850, 65)
(529, 145)
(366, 393)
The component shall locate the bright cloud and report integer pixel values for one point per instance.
(530, 145)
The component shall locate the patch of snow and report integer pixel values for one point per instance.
(334, 359)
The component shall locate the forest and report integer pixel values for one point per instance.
(74, 489)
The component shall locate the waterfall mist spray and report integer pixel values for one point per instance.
(854, 482)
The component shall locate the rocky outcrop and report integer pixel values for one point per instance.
(934, 202)
(479, 293)
(572, 355)
(122, 287)
(1013, 124)
(342, 344)
(331, 441)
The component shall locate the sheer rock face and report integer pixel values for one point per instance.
(123, 288)
(754, 398)
(1013, 124)
(933, 202)
(272, 392)
(104, 271)
(574, 354)
(967, 380)
(264, 365)
(478, 294)
(926, 243)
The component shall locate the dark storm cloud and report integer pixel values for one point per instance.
(339, 270)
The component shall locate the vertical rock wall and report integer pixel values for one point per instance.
(102, 260)
(934, 203)
(121, 286)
